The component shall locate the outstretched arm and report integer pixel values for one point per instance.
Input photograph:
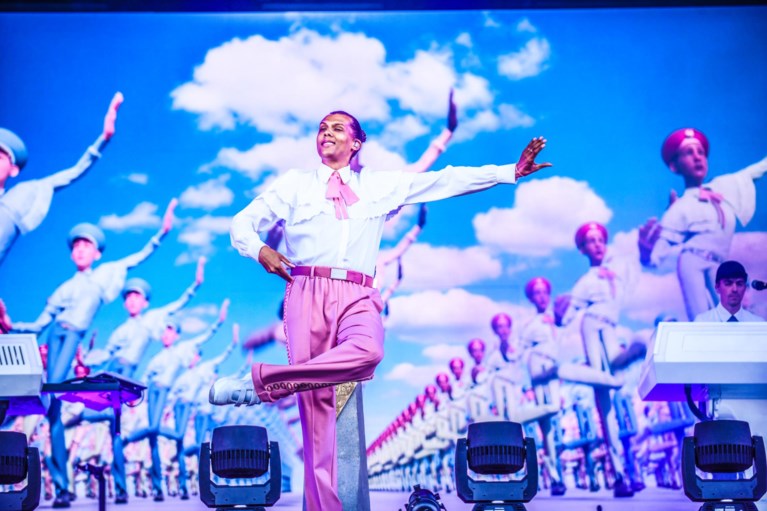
(439, 144)
(262, 337)
(229, 349)
(140, 256)
(757, 169)
(387, 293)
(208, 335)
(181, 302)
(52, 308)
(67, 176)
(385, 258)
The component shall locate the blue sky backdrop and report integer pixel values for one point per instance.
(217, 105)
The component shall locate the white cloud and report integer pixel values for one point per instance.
(399, 131)
(545, 216)
(236, 82)
(529, 61)
(142, 217)
(199, 234)
(429, 267)
(490, 21)
(513, 117)
(235, 85)
(138, 178)
(464, 39)
(444, 352)
(452, 316)
(416, 376)
(209, 195)
(400, 222)
(524, 25)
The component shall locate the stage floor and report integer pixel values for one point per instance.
(651, 499)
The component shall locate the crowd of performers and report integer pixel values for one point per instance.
(588, 422)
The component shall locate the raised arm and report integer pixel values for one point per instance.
(387, 293)
(757, 169)
(407, 240)
(454, 181)
(439, 144)
(215, 362)
(93, 153)
(208, 335)
(189, 293)
(140, 256)
(53, 307)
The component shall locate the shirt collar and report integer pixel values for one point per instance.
(725, 314)
(324, 173)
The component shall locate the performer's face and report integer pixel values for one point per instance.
(84, 253)
(135, 303)
(477, 351)
(335, 141)
(456, 367)
(691, 162)
(169, 336)
(594, 246)
(7, 169)
(540, 296)
(731, 292)
(502, 328)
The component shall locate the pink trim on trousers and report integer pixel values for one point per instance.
(335, 335)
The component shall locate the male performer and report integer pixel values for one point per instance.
(333, 224)
(730, 285)
(600, 292)
(71, 309)
(160, 374)
(540, 342)
(23, 207)
(702, 220)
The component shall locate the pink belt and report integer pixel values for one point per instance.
(333, 273)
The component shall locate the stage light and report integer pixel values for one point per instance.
(423, 500)
(496, 448)
(240, 452)
(725, 448)
(19, 462)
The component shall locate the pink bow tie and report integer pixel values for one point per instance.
(715, 199)
(607, 273)
(341, 195)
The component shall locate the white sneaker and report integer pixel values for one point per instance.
(233, 391)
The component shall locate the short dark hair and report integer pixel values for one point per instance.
(359, 133)
(731, 270)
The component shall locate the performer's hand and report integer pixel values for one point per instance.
(399, 269)
(649, 234)
(199, 276)
(672, 197)
(526, 164)
(235, 334)
(561, 304)
(224, 310)
(452, 113)
(5, 319)
(274, 262)
(422, 216)
(111, 116)
(167, 219)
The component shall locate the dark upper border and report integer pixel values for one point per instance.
(336, 5)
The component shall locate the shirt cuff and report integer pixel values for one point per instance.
(255, 246)
(507, 174)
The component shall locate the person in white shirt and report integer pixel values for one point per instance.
(730, 286)
(334, 221)
(24, 207)
(600, 293)
(700, 224)
(160, 374)
(70, 311)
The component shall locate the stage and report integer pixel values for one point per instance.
(651, 499)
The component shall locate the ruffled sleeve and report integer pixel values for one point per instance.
(739, 192)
